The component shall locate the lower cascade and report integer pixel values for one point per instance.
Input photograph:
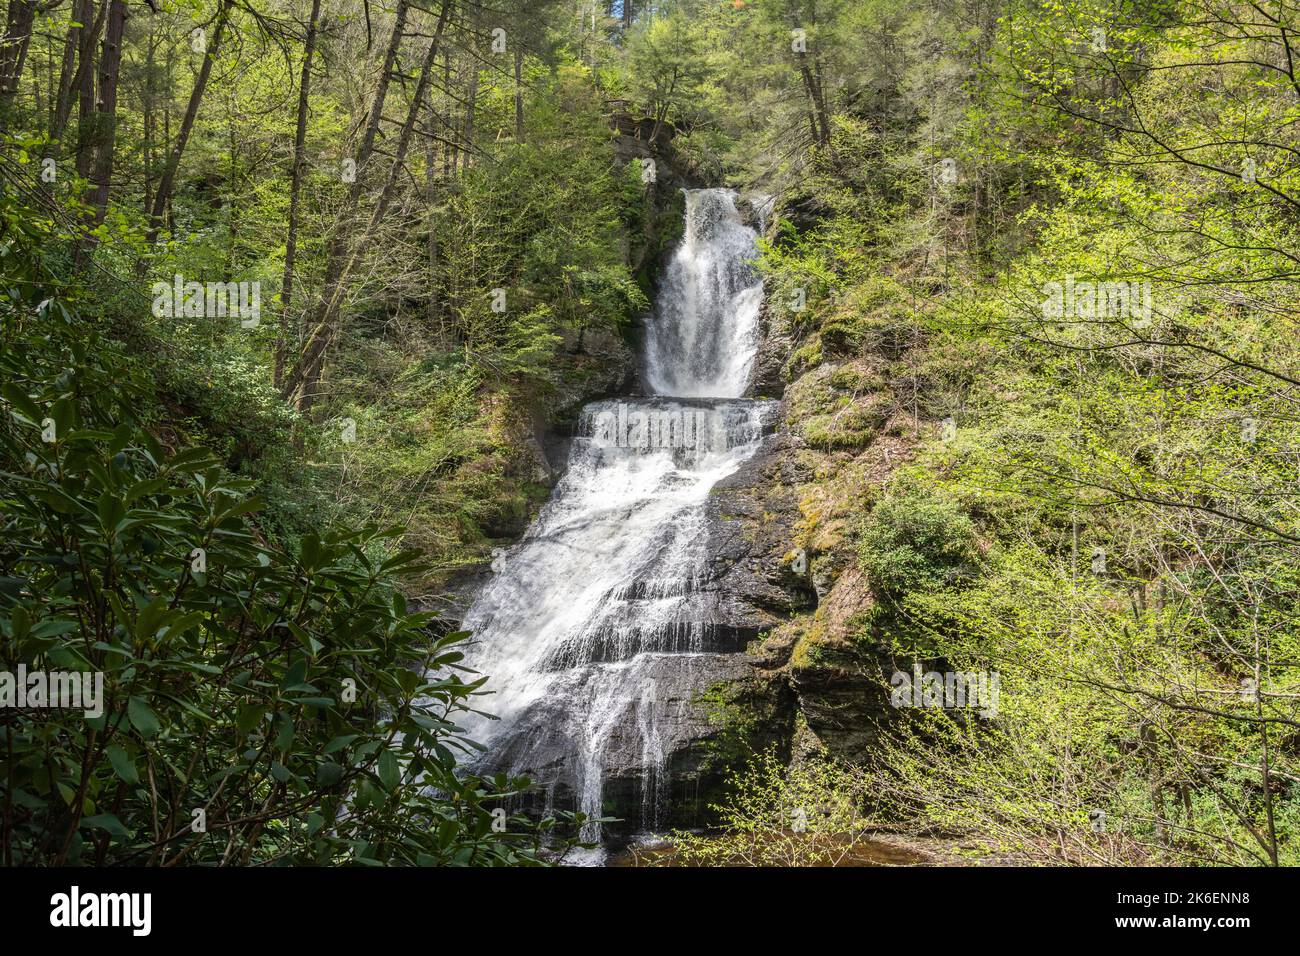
(599, 630)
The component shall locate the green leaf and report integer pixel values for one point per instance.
(142, 717)
(109, 822)
(20, 622)
(53, 628)
(22, 402)
(314, 701)
(243, 508)
(338, 743)
(191, 460)
(295, 674)
(123, 766)
(388, 770)
(248, 716)
(111, 511)
(284, 732)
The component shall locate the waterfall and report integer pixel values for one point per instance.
(703, 333)
(596, 630)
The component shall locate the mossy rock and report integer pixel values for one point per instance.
(839, 407)
(887, 332)
(853, 426)
(807, 356)
(858, 376)
(874, 318)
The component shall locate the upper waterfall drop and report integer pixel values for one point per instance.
(704, 331)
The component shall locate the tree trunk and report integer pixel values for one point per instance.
(148, 121)
(471, 101)
(519, 94)
(69, 80)
(106, 121)
(167, 182)
(67, 72)
(86, 94)
(430, 199)
(308, 373)
(447, 157)
(381, 94)
(295, 187)
(339, 240)
(337, 246)
(13, 51)
(813, 88)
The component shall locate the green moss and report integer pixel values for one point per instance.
(838, 406)
(808, 653)
(852, 427)
(857, 377)
(873, 317)
(808, 355)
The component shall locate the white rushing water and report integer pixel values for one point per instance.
(593, 628)
(703, 335)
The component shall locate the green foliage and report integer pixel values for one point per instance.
(917, 539)
(804, 814)
(543, 222)
(1080, 719)
(1124, 483)
(668, 66)
(1126, 489)
(288, 696)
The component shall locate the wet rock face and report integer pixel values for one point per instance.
(764, 637)
(631, 727)
(768, 374)
(841, 679)
(631, 775)
(630, 601)
(839, 437)
(810, 658)
(752, 545)
(843, 703)
(777, 641)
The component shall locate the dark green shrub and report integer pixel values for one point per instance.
(258, 706)
(917, 540)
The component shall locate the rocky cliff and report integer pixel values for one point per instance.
(783, 532)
